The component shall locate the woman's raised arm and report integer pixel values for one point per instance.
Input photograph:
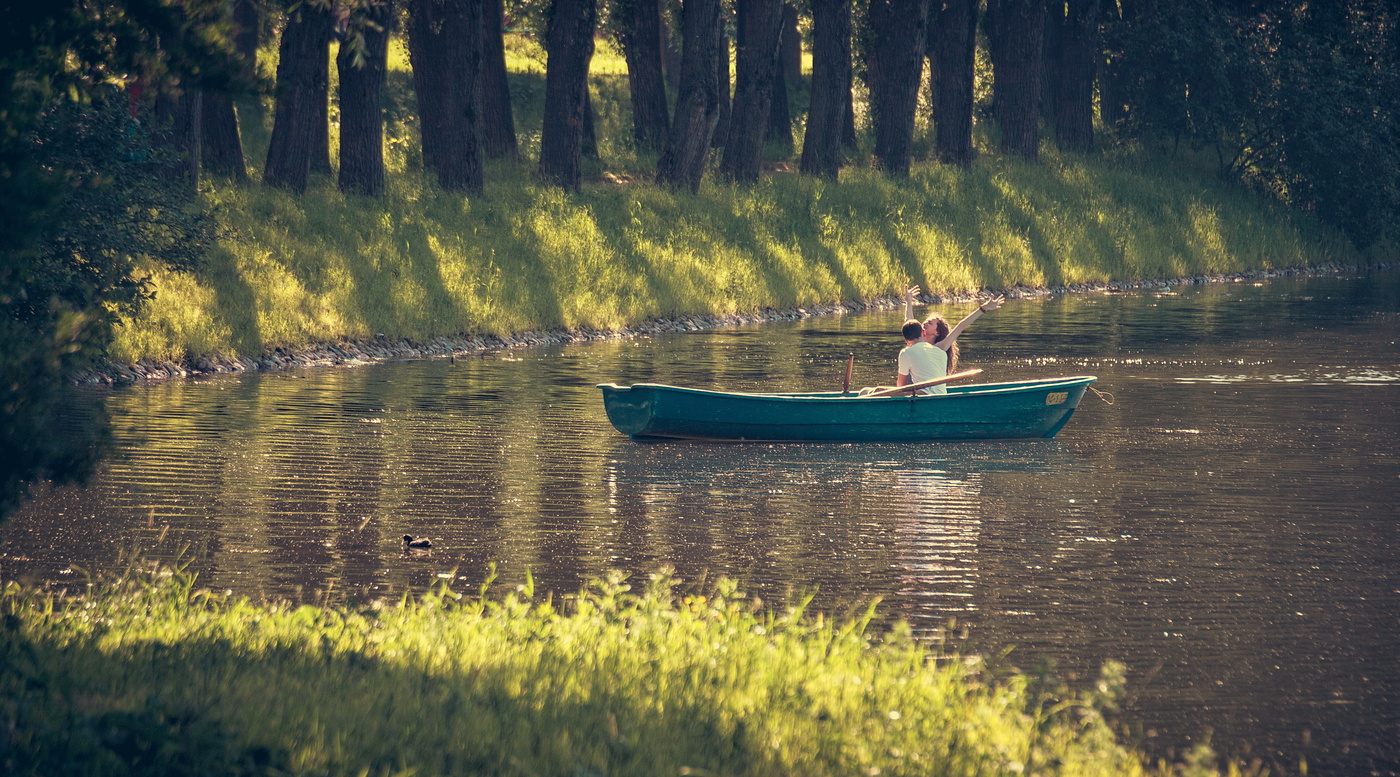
(985, 307)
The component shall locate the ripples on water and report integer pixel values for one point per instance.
(1226, 527)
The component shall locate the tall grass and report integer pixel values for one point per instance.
(152, 676)
(421, 262)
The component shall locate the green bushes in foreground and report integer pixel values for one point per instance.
(151, 676)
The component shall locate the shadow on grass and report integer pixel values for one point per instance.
(208, 706)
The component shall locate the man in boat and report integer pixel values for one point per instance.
(931, 348)
(919, 360)
(940, 335)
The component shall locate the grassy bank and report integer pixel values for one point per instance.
(152, 676)
(421, 263)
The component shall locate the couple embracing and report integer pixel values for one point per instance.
(931, 348)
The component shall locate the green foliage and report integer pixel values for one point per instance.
(1299, 99)
(121, 206)
(152, 676)
(112, 203)
(65, 275)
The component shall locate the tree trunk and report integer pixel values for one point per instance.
(643, 45)
(897, 29)
(222, 140)
(792, 46)
(445, 51)
(178, 119)
(246, 31)
(1015, 34)
(1113, 108)
(321, 140)
(497, 119)
(246, 38)
(589, 148)
(670, 44)
(361, 103)
(756, 76)
(780, 116)
(831, 87)
(721, 132)
(223, 147)
(682, 162)
(569, 41)
(1070, 72)
(848, 118)
(301, 80)
(954, 36)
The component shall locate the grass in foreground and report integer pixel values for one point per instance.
(151, 676)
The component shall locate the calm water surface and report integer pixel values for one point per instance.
(1226, 527)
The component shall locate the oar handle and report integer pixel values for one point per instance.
(846, 384)
(889, 392)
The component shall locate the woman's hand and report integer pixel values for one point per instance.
(991, 304)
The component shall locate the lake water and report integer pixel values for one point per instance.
(1227, 526)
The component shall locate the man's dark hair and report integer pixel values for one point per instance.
(912, 330)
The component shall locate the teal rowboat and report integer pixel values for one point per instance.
(979, 411)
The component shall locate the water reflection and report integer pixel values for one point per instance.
(1226, 526)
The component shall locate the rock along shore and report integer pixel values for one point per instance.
(379, 350)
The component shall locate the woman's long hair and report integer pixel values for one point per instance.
(941, 330)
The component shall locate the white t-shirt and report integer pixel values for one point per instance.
(924, 361)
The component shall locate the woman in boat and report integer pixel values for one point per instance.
(937, 331)
(930, 348)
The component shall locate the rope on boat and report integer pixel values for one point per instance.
(1104, 395)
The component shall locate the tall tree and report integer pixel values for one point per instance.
(1072, 37)
(792, 45)
(444, 47)
(589, 146)
(682, 162)
(1111, 77)
(780, 113)
(569, 43)
(178, 118)
(894, 65)
(756, 75)
(831, 87)
(848, 121)
(302, 76)
(361, 63)
(643, 45)
(223, 144)
(1016, 34)
(497, 118)
(321, 129)
(222, 151)
(953, 35)
(726, 104)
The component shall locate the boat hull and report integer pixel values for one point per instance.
(983, 411)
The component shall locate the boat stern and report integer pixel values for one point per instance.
(629, 410)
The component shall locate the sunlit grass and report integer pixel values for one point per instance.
(152, 674)
(420, 263)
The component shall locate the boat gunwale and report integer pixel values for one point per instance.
(968, 390)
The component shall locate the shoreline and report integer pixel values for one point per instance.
(381, 350)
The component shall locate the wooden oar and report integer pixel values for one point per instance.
(889, 392)
(846, 384)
